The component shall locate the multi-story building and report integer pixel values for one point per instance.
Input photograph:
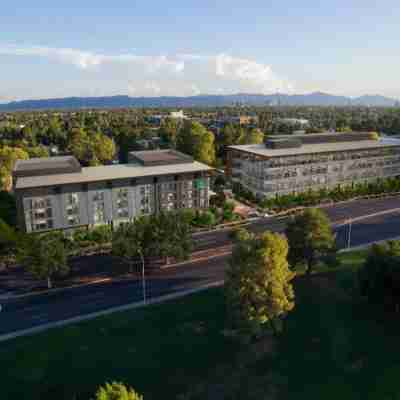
(296, 163)
(57, 193)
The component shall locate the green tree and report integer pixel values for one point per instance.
(8, 157)
(171, 235)
(169, 131)
(379, 277)
(254, 136)
(103, 148)
(8, 242)
(228, 208)
(130, 242)
(77, 144)
(257, 286)
(310, 238)
(37, 151)
(116, 391)
(44, 256)
(8, 208)
(206, 218)
(93, 149)
(197, 141)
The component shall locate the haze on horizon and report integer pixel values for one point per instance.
(187, 48)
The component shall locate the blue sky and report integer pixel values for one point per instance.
(55, 49)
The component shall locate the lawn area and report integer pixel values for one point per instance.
(334, 346)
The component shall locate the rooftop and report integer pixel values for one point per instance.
(262, 150)
(46, 166)
(159, 157)
(109, 172)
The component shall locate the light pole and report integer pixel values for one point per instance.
(143, 279)
(349, 234)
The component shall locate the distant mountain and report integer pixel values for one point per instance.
(375, 101)
(311, 99)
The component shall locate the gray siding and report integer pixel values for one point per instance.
(86, 194)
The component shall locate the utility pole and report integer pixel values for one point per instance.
(143, 279)
(349, 234)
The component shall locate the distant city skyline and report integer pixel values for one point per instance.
(189, 48)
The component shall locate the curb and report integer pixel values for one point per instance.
(125, 307)
(366, 245)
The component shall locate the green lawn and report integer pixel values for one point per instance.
(334, 347)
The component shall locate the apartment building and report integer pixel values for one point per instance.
(57, 193)
(296, 163)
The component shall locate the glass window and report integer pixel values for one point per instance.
(39, 215)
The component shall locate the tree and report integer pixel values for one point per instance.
(197, 141)
(38, 152)
(117, 391)
(8, 242)
(103, 147)
(169, 131)
(78, 144)
(8, 208)
(206, 218)
(310, 238)
(44, 256)
(254, 136)
(228, 208)
(130, 242)
(257, 286)
(8, 157)
(379, 277)
(93, 149)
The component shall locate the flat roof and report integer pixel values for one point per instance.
(46, 166)
(261, 150)
(160, 157)
(109, 172)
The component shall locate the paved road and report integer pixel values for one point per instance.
(25, 313)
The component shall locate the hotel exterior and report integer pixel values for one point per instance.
(296, 163)
(57, 193)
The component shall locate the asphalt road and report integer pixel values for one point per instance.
(37, 310)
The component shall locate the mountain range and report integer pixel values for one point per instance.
(311, 99)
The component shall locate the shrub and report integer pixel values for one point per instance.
(101, 234)
(206, 218)
(116, 391)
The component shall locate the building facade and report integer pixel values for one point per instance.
(297, 163)
(56, 193)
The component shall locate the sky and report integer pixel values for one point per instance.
(54, 49)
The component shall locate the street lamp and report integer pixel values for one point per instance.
(143, 277)
(349, 221)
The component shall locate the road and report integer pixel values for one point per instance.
(37, 310)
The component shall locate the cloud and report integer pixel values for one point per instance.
(250, 72)
(154, 75)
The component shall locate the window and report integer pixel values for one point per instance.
(146, 192)
(39, 214)
(122, 203)
(72, 209)
(98, 208)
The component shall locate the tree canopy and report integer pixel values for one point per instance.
(310, 238)
(44, 256)
(257, 285)
(116, 391)
(8, 157)
(197, 141)
(380, 275)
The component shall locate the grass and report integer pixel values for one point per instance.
(333, 346)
